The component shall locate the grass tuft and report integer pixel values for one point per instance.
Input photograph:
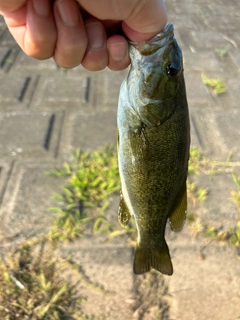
(221, 52)
(235, 235)
(217, 85)
(32, 286)
(236, 194)
(91, 178)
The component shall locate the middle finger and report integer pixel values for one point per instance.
(72, 38)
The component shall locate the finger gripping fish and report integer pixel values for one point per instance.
(153, 147)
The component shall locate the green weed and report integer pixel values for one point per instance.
(236, 194)
(195, 161)
(198, 163)
(91, 178)
(218, 234)
(196, 227)
(217, 85)
(194, 193)
(235, 235)
(32, 286)
(221, 52)
(231, 236)
(130, 230)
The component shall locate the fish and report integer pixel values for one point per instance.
(153, 147)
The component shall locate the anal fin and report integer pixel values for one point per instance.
(123, 212)
(178, 217)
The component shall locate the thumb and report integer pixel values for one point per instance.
(149, 20)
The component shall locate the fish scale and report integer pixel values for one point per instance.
(153, 147)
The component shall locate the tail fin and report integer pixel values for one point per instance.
(157, 258)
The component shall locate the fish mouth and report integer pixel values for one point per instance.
(162, 39)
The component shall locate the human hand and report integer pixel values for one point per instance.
(82, 31)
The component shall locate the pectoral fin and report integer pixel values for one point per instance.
(178, 217)
(123, 212)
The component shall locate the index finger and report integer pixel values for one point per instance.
(33, 27)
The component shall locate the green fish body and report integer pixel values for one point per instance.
(153, 147)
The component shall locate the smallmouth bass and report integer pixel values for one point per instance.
(153, 148)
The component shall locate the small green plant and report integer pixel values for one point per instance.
(200, 164)
(221, 52)
(194, 163)
(194, 193)
(216, 84)
(236, 235)
(32, 286)
(236, 194)
(196, 226)
(231, 236)
(218, 234)
(91, 178)
(236, 199)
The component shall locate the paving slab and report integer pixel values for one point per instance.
(3, 55)
(27, 199)
(109, 84)
(193, 80)
(63, 90)
(108, 266)
(12, 90)
(24, 133)
(89, 131)
(218, 210)
(218, 131)
(5, 172)
(213, 291)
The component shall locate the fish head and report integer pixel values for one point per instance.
(158, 66)
(156, 78)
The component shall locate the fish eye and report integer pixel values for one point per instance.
(172, 70)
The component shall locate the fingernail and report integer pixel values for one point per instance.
(41, 7)
(69, 15)
(118, 51)
(96, 35)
